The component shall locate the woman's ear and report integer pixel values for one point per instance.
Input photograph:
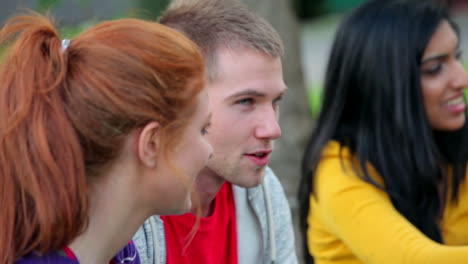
(148, 144)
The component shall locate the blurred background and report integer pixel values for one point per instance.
(307, 28)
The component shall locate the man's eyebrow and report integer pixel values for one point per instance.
(248, 92)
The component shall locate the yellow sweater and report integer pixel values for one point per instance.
(353, 222)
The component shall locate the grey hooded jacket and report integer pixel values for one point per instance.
(264, 227)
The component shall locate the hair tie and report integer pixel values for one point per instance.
(65, 43)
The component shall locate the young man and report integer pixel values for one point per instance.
(245, 217)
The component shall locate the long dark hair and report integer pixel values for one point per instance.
(373, 105)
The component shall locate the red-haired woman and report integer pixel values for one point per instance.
(97, 134)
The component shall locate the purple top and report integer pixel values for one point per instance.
(128, 255)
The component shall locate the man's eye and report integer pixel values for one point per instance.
(459, 55)
(277, 100)
(246, 101)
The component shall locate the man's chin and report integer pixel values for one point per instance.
(251, 179)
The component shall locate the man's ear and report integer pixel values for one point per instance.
(148, 144)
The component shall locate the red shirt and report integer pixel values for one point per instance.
(215, 241)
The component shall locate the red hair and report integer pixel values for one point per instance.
(64, 115)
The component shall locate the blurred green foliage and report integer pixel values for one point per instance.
(306, 9)
(314, 96)
(44, 5)
(151, 10)
(153, 7)
(70, 32)
(341, 5)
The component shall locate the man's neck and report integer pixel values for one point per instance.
(207, 186)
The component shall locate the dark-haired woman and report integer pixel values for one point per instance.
(384, 173)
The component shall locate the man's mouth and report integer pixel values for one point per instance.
(259, 155)
(259, 158)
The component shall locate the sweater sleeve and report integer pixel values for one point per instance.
(364, 219)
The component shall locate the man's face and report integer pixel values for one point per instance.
(244, 101)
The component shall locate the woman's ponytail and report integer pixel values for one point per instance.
(43, 192)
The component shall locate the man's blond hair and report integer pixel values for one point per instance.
(214, 24)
